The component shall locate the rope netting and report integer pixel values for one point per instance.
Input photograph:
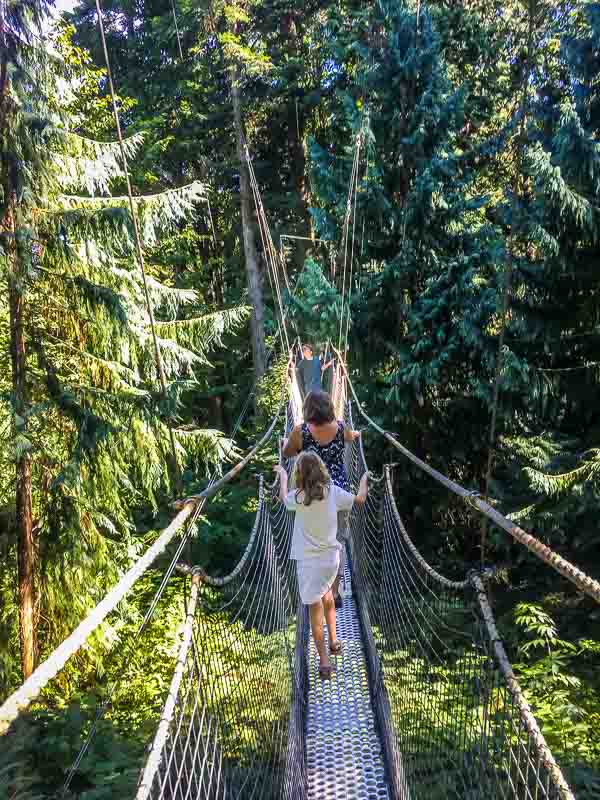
(233, 724)
(455, 722)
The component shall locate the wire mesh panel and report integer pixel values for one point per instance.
(457, 717)
(231, 733)
(344, 754)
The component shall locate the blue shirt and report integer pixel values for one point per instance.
(309, 370)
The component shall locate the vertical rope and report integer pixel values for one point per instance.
(176, 29)
(346, 230)
(137, 237)
(352, 251)
(270, 251)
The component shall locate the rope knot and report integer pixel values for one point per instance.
(471, 496)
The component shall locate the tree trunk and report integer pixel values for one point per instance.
(23, 500)
(23, 490)
(257, 322)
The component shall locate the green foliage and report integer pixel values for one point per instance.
(95, 425)
(315, 306)
(448, 194)
(558, 679)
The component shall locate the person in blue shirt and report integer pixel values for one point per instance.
(310, 371)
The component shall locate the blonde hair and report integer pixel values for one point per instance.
(312, 477)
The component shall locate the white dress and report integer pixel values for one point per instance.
(314, 544)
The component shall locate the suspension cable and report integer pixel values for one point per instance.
(352, 255)
(138, 240)
(177, 29)
(580, 579)
(346, 228)
(270, 251)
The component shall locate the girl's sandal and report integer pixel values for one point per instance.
(326, 673)
(335, 649)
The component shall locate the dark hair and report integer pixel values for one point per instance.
(312, 477)
(318, 408)
(308, 347)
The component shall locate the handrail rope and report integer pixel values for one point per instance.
(137, 236)
(23, 696)
(441, 579)
(261, 526)
(529, 721)
(160, 740)
(474, 580)
(584, 582)
(224, 580)
(49, 668)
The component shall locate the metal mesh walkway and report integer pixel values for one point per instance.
(343, 751)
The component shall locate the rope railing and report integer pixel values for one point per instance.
(233, 724)
(455, 719)
(580, 579)
(31, 688)
(528, 721)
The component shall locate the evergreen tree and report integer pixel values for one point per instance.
(315, 308)
(552, 361)
(425, 254)
(89, 427)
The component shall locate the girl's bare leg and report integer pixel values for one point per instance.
(329, 606)
(316, 626)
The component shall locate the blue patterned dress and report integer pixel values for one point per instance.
(331, 454)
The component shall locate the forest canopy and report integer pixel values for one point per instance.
(430, 175)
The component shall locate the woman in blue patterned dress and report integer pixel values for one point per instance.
(324, 435)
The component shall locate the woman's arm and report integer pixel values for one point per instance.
(363, 489)
(293, 445)
(283, 482)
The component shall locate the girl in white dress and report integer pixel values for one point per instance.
(316, 501)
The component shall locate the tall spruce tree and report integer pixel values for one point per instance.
(89, 426)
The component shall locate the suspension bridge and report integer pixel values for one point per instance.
(423, 704)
